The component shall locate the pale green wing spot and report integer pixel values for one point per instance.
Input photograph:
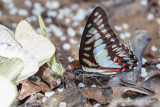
(30, 63)
(43, 27)
(11, 68)
(88, 62)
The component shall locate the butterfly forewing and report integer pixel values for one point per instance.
(100, 50)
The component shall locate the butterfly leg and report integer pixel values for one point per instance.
(98, 81)
(84, 76)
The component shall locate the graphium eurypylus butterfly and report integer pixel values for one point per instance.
(100, 50)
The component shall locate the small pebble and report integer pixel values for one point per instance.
(38, 30)
(37, 12)
(11, 6)
(144, 2)
(70, 59)
(127, 34)
(7, 1)
(71, 32)
(143, 72)
(63, 104)
(158, 66)
(63, 38)
(144, 61)
(28, 3)
(72, 41)
(48, 94)
(60, 89)
(29, 19)
(67, 20)
(52, 4)
(56, 30)
(34, 18)
(22, 12)
(48, 20)
(122, 36)
(66, 12)
(74, 6)
(80, 15)
(97, 105)
(44, 99)
(13, 11)
(48, 29)
(14, 25)
(58, 80)
(93, 85)
(154, 48)
(81, 85)
(81, 29)
(37, 5)
(75, 23)
(159, 2)
(51, 13)
(150, 17)
(60, 16)
(125, 26)
(118, 28)
(66, 46)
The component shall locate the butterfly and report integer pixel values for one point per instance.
(100, 49)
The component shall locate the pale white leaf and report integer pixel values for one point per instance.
(11, 68)
(8, 92)
(30, 63)
(40, 47)
(6, 37)
(22, 28)
(4, 27)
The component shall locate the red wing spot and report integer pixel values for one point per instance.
(124, 66)
(119, 61)
(93, 61)
(117, 69)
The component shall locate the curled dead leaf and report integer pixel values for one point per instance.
(102, 96)
(29, 88)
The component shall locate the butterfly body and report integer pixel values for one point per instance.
(100, 50)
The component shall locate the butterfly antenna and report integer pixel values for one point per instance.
(63, 58)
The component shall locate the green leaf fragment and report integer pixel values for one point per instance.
(43, 27)
(56, 65)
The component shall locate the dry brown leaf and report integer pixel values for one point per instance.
(29, 88)
(153, 83)
(70, 97)
(102, 96)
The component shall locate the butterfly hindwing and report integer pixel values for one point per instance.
(100, 48)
